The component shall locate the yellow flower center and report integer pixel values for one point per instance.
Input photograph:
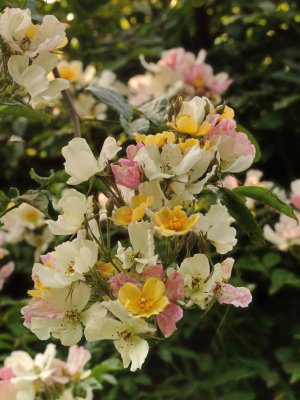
(176, 220)
(32, 31)
(31, 215)
(39, 288)
(144, 303)
(198, 82)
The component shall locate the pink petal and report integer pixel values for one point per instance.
(128, 174)
(77, 358)
(175, 286)
(5, 272)
(237, 296)
(132, 150)
(167, 319)
(117, 281)
(154, 271)
(6, 373)
(295, 199)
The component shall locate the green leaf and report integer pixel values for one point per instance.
(4, 200)
(113, 100)
(286, 102)
(252, 139)
(265, 196)
(281, 277)
(155, 110)
(54, 177)
(17, 109)
(240, 212)
(140, 125)
(287, 76)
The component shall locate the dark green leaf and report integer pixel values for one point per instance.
(113, 100)
(267, 197)
(4, 200)
(252, 139)
(240, 212)
(12, 107)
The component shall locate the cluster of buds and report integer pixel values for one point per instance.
(137, 288)
(178, 72)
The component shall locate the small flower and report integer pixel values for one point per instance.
(146, 302)
(136, 211)
(174, 222)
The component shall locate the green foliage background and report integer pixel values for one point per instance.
(228, 353)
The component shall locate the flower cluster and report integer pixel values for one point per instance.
(178, 72)
(32, 53)
(23, 377)
(137, 288)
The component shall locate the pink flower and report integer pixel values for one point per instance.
(219, 83)
(237, 296)
(5, 272)
(77, 358)
(175, 286)
(167, 319)
(117, 281)
(154, 271)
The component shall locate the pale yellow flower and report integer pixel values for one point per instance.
(134, 212)
(146, 302)
(183, 145)
(174, 222)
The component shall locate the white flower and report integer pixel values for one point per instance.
(142, 251)
(14, 22)
(60, 314)
(124, 331)
(75, 207)
(69, 262)
(80, 162)
(34, 78)
(215, 224)
(198, 284)
(21, 35)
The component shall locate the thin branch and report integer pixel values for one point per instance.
(69, 103)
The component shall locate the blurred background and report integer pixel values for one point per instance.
(228, 353)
